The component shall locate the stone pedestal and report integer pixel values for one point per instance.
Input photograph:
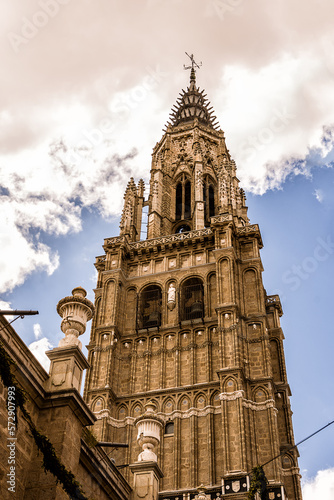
(146, 480)
(67, 365)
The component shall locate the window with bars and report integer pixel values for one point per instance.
(150, 307)
(192, 299)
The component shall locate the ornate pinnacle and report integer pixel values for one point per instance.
(192, 67)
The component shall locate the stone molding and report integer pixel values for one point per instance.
(231, 396)
(197, 412)
(252, 405)
(265, 405)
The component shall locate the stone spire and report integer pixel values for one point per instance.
(193, 104)
(132, 210)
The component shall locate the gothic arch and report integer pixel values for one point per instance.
(251, 291)
(215, 400)
(230, 384)
(130, 310)
(225, 280)
(260, 394)
(109, 301)
(150, 306)
(136, 409)
(168, 405)
(192, 298)
(122, 412)
(287, 461)
(200, 400)
(183, 197)
(184, 403)
(98, 404)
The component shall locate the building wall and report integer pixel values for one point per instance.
(62, 416)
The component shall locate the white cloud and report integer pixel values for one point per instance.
(319, 194)
(37, 330)
(321, 487)
(5, 306)
(38, 349)
(273, 117)
(19, 254)
(273, 100)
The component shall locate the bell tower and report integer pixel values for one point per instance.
(186, 351)
(193, 177)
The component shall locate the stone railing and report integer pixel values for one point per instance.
(163, 240)
(221, 218)
(274, 300)
(252, 228)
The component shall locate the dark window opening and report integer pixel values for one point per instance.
(187, 201)
(183, 229)
(209, 200)
(150, 307)
(192, 299)
(178, 201)
(183, 199)
(169, 428)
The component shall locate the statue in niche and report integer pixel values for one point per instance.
(171, 296)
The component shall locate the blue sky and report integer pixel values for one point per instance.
(87, 89)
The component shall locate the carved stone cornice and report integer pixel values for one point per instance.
(265, 405)
(253, 405)
(231, 396)
(197, 412)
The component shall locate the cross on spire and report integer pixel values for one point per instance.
(192, 67)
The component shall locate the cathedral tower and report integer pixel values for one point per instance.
(186, 350)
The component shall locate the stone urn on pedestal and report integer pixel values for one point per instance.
(67, 360)
(75, 311)
(148, 426)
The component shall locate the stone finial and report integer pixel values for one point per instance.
(75, 311)
(148, 426)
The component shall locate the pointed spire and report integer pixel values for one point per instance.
(192, 103)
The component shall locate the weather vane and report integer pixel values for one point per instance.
(193, 62)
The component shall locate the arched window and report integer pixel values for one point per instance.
(150, 307)
(209, 199)
(192, 299)
(183, 199)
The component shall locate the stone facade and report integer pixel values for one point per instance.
(184, 323)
